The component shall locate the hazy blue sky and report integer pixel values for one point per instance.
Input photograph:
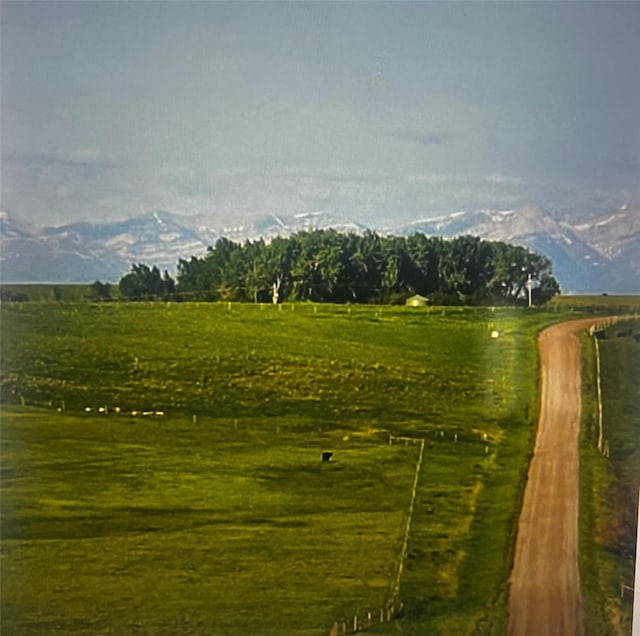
(373, 110)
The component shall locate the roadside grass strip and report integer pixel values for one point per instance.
(610, 473)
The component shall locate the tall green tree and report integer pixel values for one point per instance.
(100, 291)
(145, 283)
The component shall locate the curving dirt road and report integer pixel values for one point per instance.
(545, 595)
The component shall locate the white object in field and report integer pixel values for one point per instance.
(495, 334)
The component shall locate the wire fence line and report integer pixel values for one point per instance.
(599, 395)
(395, 590)
(597, 332)
(366, 621)
(394, 607)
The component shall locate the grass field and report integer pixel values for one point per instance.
(604, 304)
(165, 528)
(48, 292)
(219, 517)
(610, 483)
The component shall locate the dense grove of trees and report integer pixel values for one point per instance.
(144, 283)
(327, 266)
(100, 291)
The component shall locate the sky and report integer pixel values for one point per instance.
(379, 111)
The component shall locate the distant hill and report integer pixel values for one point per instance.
(592, 254)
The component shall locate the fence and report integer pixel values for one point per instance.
(597, 331)
(358, 624)
(394, 607)
(395, 590)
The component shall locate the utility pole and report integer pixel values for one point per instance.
(529, 286)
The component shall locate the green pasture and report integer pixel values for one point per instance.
(408, 370)
(218, 516)
(610, 480)
(218, 528)
(614, 303)
(48, 292)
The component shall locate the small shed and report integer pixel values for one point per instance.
(417, 301)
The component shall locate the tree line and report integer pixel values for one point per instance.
(329, 266)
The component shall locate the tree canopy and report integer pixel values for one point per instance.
(329, 266)
(145, 283)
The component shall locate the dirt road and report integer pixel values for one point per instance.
(545, 581)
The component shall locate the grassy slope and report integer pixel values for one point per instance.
(297, 543)
(610, 486)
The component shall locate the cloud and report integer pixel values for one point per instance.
(65, 186)
(498, 179)
(626, 166)
(81, 163)
(438, 178)
(366, 179)
(426, 137)
(68, 186)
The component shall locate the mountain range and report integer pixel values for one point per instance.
(596, 253)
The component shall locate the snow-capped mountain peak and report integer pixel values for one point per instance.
(601, 253)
